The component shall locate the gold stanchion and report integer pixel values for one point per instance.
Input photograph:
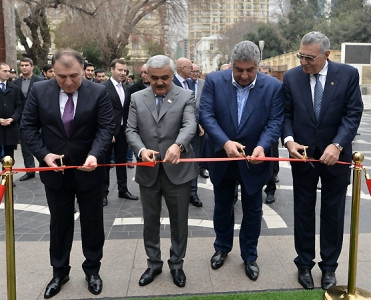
(9, 227)
(351, 292)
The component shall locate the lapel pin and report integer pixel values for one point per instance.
(169, 101)
(332, 83)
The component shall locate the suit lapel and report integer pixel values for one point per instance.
(150, 101)
(332, 81)
(169, 100)
(230, 95)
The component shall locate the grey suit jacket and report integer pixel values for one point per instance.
(176, 122)
(200, 85)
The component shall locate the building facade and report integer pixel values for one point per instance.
(209, 17)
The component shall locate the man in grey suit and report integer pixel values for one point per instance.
(161, 125)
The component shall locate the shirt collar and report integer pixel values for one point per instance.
(324, 70)
(115, 83)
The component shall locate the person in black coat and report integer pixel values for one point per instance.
(10, 112)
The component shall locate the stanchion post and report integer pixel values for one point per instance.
(351, 292)
(9, 228)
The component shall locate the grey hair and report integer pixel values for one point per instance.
(316, 37)
(160, 61)
(245, 51)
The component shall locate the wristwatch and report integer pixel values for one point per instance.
(180, 145)
(337, 145)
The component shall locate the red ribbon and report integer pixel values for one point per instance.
(2, 191)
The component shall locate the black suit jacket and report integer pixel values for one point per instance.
(119, 111)
(10, 107)
(91, 131)
(18, 83)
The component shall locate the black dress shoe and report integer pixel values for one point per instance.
(27, 176)
(270, 199)
(127, 195)
(305, 279)
(217, 260)
(328, 280)
(179, 277)
(95, 284)
(105, 201)
(252, 269)
(148, 276)
(195, 201)
(54, 286)
(204, 173)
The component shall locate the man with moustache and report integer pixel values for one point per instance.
(73, 117)
(161, 125)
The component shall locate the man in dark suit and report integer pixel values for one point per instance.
(143, 83)
(24, 83)
(323, 109)
(71, 116)
(241, 111)
(10, 112)
(183, 79)
(120, 99)
(161, 125)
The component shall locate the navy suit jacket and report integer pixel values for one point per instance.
(191, 85)
(340, 115)
(91, 131)
(260, 125)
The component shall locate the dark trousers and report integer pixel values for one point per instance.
(333, 193)
(61, 205)
(28, 158)
(271, 184)
(177, 202)
(120, 149)
(197, 145)
(224, 216)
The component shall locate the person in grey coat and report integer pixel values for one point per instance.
(161, 125)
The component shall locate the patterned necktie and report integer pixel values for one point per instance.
(160, 100)
(318, 91)
(185, 85)
(68, 114)
(3, 87)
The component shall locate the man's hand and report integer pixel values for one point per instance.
(202, 131)
(6, 122)
(51, 160)
(330, 156)
(294, 148)
(172, 154)
(90, 164)
(148, 155)
(257, 152)
(233, 149)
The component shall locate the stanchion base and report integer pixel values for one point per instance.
(341, 292)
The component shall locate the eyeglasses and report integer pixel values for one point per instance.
(195, 71)
(308, 58)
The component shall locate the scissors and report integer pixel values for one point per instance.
(306, 157)
(242, 152)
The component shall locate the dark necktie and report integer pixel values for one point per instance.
(318, 91)
(160, 100)
(68, 114)
(3, 87)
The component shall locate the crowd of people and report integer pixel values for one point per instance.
(73, 114)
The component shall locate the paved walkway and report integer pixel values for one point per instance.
(125, 260)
